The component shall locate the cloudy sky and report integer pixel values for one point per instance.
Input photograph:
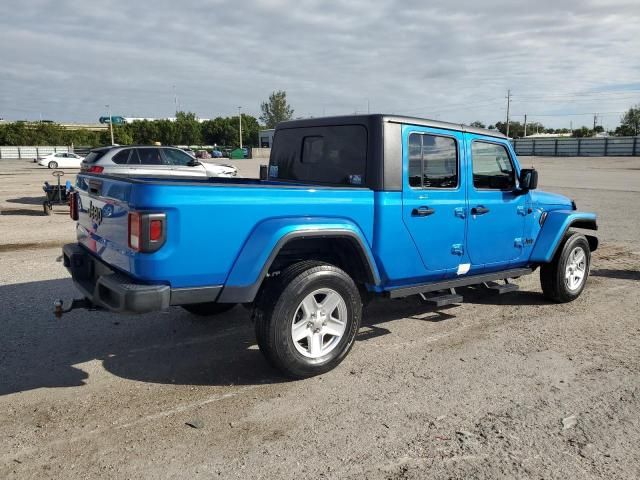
(563, 60)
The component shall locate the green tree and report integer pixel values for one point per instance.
(630, 122)
(276, 109)
(477, 124)
(188, 130)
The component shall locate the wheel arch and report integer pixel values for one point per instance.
(248, 273)
(555, 228)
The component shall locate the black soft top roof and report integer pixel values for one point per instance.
(369, 118)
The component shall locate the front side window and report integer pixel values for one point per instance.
(492, 168)
(433, 161)
(334, 155)
(176, 157)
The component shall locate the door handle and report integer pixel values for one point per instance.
(422, 212)
(479, 210)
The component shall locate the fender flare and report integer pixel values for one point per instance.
(267, 240)
(554, 229)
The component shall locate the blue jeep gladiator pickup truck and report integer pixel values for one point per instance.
(348, 208)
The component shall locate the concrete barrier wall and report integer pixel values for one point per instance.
(261, 153)
(578, 147)
(30, 152)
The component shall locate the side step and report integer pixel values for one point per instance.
(500, 288)
(444, 299)
(461, 281)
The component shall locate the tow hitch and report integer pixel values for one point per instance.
(85, 303)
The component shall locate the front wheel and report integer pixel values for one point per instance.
(307, 318)
(565, 277)
(53, 165)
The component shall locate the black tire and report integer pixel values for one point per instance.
(278, 303)
(553, 275)
(47, 207)
(53, 165)
(208, 309)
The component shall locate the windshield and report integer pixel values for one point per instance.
(326, 155)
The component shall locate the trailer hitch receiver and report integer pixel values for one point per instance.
(59, 309)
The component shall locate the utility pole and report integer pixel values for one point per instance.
(525, 124)
(110, 123)
(240, 123)
(595, 121)
(508, 105)
(175, 100)
(368, 106)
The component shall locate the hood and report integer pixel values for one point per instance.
(217, 169)
(546, 199)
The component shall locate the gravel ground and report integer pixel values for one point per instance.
(498, 387)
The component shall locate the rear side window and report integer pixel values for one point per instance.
(94, 156)
(121, 157)
(150, 156)
(326, 155)
(492, 168)
(433, 161)
(134, 159)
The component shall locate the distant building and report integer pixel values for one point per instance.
(266, 138)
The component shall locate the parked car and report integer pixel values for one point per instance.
(151, 161)
(61, 160)
(349, 208)
(216, 153)
(189, 152)
(203, 154)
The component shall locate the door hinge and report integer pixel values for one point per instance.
(460, 212)
(457, 249)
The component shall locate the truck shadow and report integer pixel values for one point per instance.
(37, 351)
(28, 200)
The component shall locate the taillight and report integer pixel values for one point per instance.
(147, 231)
(73, 205)
(134, 230)
(95, 169)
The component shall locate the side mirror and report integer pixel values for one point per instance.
(193, 163)
(528, 179)
(264, 172)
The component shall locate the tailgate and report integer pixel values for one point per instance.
(103, 208)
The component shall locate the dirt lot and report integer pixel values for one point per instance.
(498, 387)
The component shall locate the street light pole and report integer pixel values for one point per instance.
(110, 122)
(240, 123)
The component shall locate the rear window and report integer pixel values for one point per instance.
(94, 156)
(327, 155)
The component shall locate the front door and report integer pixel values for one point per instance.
(497, 212)
(433, 196)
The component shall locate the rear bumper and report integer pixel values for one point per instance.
(118, 292)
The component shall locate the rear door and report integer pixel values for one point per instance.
(433, 196)
(121, 162)
(497, 212)
(148, 162)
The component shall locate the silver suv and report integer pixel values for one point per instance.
(151, 161)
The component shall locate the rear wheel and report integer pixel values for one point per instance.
(208, 309)
(53, 165)
(307, 318)
(565, 277)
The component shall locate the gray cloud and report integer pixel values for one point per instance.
(67, 59)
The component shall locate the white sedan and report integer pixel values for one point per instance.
(61, 160)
